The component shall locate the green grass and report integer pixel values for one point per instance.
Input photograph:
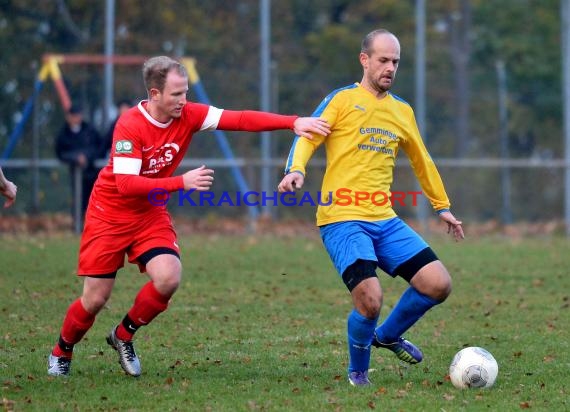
(259, 325)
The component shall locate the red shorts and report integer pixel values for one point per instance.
(104, 245)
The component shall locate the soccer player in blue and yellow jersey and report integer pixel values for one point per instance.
(359, 228)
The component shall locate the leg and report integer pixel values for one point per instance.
(96, 292)
(164, 270)
(430, 285)
(402, 252)
(78, 320)
(101, 255)
(367, 300)
(351, 250)
(81, 313)
(433, 280)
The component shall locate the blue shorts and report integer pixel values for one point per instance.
(388, 242)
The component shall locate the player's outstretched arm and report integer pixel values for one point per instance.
(256, 121)
(454, 226)
(304, 126)
(291, 182)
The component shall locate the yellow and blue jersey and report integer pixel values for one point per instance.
(366, 135)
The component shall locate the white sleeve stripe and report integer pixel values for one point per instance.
(212, 119)
(126, 166)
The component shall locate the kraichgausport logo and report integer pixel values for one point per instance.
(340, 197)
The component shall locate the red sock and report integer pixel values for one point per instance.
(149, 303)
(75, 325)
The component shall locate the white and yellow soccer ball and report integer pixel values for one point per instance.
(473, 367)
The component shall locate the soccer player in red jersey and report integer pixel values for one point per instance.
(149, 142)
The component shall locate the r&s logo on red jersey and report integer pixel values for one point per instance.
(160, 158)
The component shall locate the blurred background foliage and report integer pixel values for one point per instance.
(314, 49)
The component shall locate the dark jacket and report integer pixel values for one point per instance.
(87, 141)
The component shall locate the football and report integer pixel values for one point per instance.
(473, 367)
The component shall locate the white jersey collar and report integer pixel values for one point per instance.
(150, 118)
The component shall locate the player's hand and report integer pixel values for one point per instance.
(304, 126)
(291, 182)
(9, 191)
(453, 225)
(82, 160)
(200, 179)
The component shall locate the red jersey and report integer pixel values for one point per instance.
(144, 147)
(120, 218)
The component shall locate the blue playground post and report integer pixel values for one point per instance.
(226, 149)
(17, 132)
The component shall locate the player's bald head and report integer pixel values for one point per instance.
(368, 41)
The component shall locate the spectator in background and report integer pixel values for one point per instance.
(122, 106)
(79, 145)
(8, 190)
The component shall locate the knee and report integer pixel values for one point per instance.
(361, 280)
(440, 287)
(94, 302)
(371, 307)
(433, 280)
(167, 284)
(165, 274)
(442, 290)
(367, 298)
(443, 285)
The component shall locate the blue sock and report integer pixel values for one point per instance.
(409, 309)
(360, 331)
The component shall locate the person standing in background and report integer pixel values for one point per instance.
(79, 145)
(122, 106)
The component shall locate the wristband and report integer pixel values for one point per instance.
(439, 212)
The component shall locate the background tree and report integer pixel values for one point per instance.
(314, 48)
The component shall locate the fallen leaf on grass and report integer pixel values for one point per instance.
(177, 363)
(8, 404)
(548, 358)
(381, 391)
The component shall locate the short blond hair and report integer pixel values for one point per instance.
(157, 68)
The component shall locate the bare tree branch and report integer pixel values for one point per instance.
(69, 23)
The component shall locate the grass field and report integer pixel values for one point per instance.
(259, 325)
